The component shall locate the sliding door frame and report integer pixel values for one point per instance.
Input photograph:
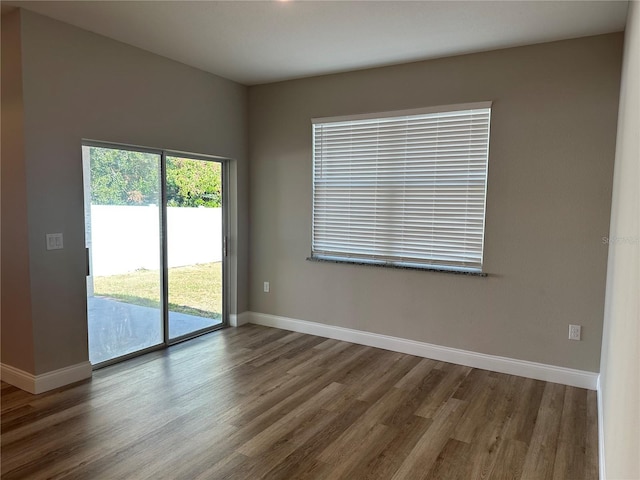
(224, 165)
(164, 270)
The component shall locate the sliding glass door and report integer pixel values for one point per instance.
(194, 245)
(122, 230)
(154, 228)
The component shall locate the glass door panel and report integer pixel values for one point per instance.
(122, 229)
(194, 233)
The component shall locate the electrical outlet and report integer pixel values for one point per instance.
(574, 332)
(266, 287)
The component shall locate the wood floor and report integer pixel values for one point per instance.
(256, 402)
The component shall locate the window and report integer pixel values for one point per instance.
(402, 188)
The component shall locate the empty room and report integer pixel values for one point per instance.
(320, 240)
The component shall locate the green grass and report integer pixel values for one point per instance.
(195, 290)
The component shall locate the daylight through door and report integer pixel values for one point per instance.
(154, 230)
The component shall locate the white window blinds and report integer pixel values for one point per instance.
(403, 188)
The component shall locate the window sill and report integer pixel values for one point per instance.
(399, 267)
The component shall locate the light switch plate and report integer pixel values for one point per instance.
(54, 241)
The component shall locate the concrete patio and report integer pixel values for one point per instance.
(117, 328)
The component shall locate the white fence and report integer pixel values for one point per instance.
(124, 239)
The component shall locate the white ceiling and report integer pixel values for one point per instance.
(255, 42)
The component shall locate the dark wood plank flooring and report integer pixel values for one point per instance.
(256, 402)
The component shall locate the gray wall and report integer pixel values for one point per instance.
(80, 85)
(17, 330)
(620, 365)
(548, 204)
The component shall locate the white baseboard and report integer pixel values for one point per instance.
(601, 457)
(46, 381)
(511, 366)
(18, 378)
(239, 319)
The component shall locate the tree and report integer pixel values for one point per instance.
(193, 183)
(124, 177)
